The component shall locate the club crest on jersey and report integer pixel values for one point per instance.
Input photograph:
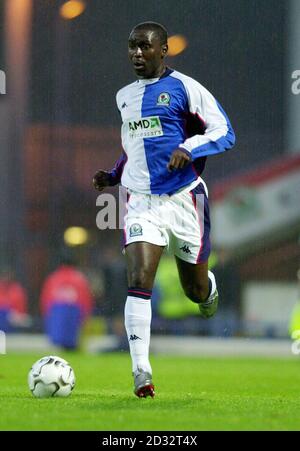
(135, 230)
(164, 99)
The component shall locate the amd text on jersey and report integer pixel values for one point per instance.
(145, 128)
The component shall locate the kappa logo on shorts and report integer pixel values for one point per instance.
(163, 99)
(136, 230)
(185, 249)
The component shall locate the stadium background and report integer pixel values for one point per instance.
(59, 123)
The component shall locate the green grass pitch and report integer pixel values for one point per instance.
(193, 394)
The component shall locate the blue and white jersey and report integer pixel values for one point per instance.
(163, 114)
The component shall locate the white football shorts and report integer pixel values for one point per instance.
(179, 222)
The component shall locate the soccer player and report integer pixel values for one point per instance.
(171, 123)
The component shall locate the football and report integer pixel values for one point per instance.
(51, 376)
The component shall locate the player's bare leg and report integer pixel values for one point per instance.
(142, 262)
(199, 285)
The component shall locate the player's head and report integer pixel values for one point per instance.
(147, 48)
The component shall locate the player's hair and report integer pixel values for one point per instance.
(157, 28)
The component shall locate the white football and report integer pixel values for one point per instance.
(51, 376)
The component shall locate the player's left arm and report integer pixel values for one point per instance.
(219, 135)
(179, 160)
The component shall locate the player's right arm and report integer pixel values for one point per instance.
(110, 178)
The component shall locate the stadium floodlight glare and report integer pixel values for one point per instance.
(72, 9)
(76, 236)
(177, 44)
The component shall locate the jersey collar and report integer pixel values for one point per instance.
(149, 81)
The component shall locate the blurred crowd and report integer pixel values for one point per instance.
(74, 301)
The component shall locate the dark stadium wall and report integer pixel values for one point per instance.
(2, 63)
(236, 49)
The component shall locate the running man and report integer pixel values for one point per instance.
(171, 123)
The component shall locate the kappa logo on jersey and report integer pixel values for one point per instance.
(164, 99)
(136, 230)
(146, 127)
